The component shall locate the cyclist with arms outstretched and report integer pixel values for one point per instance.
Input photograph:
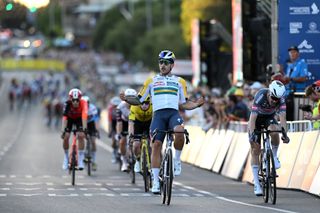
(168, 93)
(268, 103)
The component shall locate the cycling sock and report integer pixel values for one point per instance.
(177, 154)
(66, 154)
(255, 170)
(81, 155)
(155, 173)
(275, 151)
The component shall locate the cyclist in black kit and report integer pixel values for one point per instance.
(268, 104)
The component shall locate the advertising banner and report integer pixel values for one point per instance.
(299, 25)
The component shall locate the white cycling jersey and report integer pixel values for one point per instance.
(125, 111)
(165, 91)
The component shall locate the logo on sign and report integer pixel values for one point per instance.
(304, 10)
(294, 27)
(304, 47)
(313, 28)
(314, 9)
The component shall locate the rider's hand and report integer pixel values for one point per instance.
(117, 137)
(253, 137)
(63, 135)
(285, 139)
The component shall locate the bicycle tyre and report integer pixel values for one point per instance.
(144, 169)
(263, 178)
(266, 178)
(163, 182)
(89, 167)
(73, 167)
(132, 173)
(170, 176)
(272, 180)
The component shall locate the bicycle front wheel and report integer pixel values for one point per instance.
(263, 177)
(73, 167)
(272, 179)
(169, 176)
(144, 169)
(89, 157)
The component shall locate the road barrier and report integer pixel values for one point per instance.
(227, 152)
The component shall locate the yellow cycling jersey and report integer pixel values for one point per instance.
(137, 114)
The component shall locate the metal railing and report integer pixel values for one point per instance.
(265, 7)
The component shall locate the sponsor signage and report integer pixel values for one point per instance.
(299, 25)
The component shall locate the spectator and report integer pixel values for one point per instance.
(296, 76)
(315, 98)
(297, 71)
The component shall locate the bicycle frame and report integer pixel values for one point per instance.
(267, 171)
(166, 173)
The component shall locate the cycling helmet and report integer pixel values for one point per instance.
(115, 101)
(75, 94)
(167, 55)
(277, 89)
(86, 98)
(130, 92)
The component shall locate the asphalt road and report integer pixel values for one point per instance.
(31, 178)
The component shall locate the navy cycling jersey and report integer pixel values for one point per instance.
(262, 107)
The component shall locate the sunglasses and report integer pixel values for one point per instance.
(75, 100)
(165, 62)
(146, 103)
(274, 98)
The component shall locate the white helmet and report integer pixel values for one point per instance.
(277, 89)
(130, 92)
(115, 100)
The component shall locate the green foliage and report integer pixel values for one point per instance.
(132, 38)
(160, 38)
(43, 21)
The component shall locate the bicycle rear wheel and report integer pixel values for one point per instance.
(272, 179)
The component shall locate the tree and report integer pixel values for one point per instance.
(204, 10)
(160, 38)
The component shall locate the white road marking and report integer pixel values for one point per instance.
(255, 206)
(28, 195)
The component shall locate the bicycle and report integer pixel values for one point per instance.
(73, 157)
(88, 156)
(267, 171)
(166, 173)
(145, 161)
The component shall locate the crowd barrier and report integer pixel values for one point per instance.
(32, 64)
(227, 152)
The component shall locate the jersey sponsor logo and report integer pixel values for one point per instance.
(159, 83)
(174, 84)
